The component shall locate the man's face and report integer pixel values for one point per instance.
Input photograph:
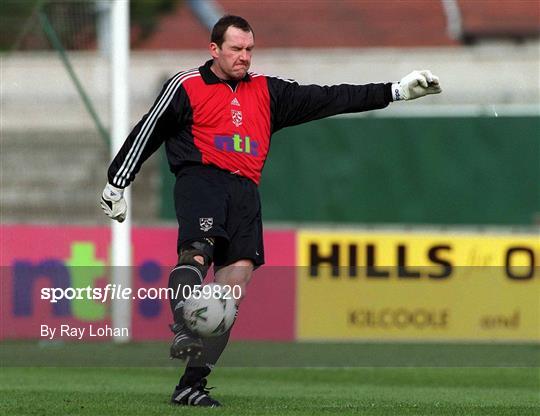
(233, 59)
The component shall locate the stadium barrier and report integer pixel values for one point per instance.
(316, 285)
(44, 257)
(452, 170)
(418, 286)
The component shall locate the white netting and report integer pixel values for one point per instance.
(52, 76)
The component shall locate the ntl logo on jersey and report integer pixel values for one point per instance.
(237, 144)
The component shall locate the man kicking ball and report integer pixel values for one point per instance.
(216, 122)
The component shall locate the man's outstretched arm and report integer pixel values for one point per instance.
(294, 104)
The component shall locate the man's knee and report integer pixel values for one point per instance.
(194, 260)
(237, 276)
(196, 255)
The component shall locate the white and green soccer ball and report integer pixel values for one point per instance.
(210, 311)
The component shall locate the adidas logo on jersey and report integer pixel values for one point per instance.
(235, 102)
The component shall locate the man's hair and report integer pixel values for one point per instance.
(218, 32)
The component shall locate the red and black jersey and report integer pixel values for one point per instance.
(205, 120)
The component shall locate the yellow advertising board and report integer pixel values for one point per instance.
(411, 286)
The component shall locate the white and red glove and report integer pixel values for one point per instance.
(415, 85)
(113, 203)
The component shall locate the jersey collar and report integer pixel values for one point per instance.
(210, 78)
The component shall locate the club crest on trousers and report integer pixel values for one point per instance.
(206, 223)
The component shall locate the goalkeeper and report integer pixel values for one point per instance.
(216, 122)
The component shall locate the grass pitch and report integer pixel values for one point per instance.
(377, 390)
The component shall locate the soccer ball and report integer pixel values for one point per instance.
(210, 311)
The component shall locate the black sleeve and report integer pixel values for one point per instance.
(291, 103)
(164, 118)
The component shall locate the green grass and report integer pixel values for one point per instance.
(258, 391)
(275, 354)
(375, 390)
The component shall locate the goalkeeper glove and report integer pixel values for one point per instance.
(416, 85)
(113, 203)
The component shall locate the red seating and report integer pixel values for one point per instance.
(353, 23)
(304, 23)
(500, 18)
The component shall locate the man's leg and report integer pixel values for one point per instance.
(238, 273)
(194, 260)
(201, 204)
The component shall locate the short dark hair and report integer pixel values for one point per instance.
(218, 32)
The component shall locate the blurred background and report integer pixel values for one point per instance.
(467, 156)
(459, 170)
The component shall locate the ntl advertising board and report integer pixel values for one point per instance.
(316, 285)
(37, 259)
(410, 286)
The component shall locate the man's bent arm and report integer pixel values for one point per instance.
(163, 119)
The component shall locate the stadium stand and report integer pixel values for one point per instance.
(301, 24)
(178, 30)
(497, 19)
(317, 24)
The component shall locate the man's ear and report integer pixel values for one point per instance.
(214, 49)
